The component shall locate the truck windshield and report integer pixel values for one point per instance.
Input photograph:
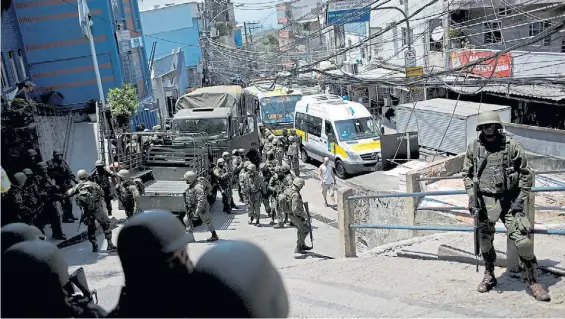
(215, 128)
(357, 129)
(279, 109)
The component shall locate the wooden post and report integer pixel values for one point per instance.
(345, 218)
(513, 260)
(411, 203)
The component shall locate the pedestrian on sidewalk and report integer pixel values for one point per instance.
(327, 179)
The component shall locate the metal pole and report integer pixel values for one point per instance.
(445, 21)
(448, 228)
(100, 89)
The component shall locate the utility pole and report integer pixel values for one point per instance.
(446, 45)
(204, 42)
(85, 22)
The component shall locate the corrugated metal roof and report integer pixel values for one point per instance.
(448, 106)
(538, 91)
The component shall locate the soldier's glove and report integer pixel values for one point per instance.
(472, 205)
(517, 206)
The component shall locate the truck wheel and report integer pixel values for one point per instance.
(304, 156)
(340, 169)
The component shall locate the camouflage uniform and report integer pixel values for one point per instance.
(284, 141)
(500, 168)
(128, 193)
(292, 154)
(254, 185)
(277, 187)
(92, 209)
(266, 174)
(48, 196)
(279, 151)
(222, 177)
(237, 165)
(18, 210)
(197, 205)
(230, 169)
(101, 176)
(243, 175)
(298, 216)
(59, 170)
(32, 190)
(268, 146)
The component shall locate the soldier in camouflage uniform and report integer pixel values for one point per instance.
(32, 160)
(223, 177)
(101, 176)
(237, 165)
(49, 194)
(33, 191)
(287, 182)
(197, 203)
(59, 170)
(89, 198)
(229, 168)
(292, 154)
(128, 193)
(298, 215)
(498, 164)
(18, 212)
(266, 174)
(254, 185)
(278, 149)
(298, 138)
(285, 142)
(268, 146)
(243, 175)
(277, 187)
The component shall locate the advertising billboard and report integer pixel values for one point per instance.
(502, 65)
(348, 11)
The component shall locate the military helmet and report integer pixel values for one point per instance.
(31, 152)
(276, 141)
(291, 139)
(489, 117)
(98, 163)
(298, 182)
(42, 165)
(285, 168)
(225, 154)
(157, 127)
(159, 230)
(292, 131)
(82, 174)
(17, 232)
(246, 164)
(20, 178)
(285, 131)
(123, 173)
(234, 152)
(271, 137)
(269, 153)
(241, 151)
(27, 171)
(252, 167)
(57, 152)
(146, 130)
(189, 176)
(220, 161)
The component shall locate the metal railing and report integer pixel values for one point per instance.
(457, 229)
(447, 208)
(438, 178)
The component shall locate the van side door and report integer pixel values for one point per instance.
(328, 137)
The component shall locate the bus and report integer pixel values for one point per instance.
(273, 108)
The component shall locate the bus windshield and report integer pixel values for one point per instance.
(357, 129)
(214, 127)
(279, 109)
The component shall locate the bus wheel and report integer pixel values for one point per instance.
(304, 156)
(340, 169)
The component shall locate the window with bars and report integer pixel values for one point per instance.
(492, 32)
(14, 69)
(405, 38)
(537, 28)
(5, 82)
(22, 63)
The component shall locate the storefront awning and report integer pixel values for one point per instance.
(537, 91)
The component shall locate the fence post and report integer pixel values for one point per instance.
(345, 218)
(513, 260)
(412, 186)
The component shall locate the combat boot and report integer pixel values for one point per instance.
(214, 236)
(250, 221)
(489, 280)
(257, 223)
(537, 289)
(279, 226)
(111, 246)
(233, 206)
(304, 247)
(94, 247)
(285, 218)
(299, 250)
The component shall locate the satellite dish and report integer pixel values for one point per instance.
(437, 33)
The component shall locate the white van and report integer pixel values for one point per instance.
(342, 130)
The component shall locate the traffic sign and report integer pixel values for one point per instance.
(410, 57)
(414, 71)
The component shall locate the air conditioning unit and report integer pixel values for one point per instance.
(214, 33)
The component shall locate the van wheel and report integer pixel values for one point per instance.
(304, 156)
(340, 169)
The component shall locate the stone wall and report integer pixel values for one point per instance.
(53, 134)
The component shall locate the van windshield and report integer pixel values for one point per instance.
(214, 127)
(357, 129)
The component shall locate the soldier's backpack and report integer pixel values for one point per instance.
(207, 186)
(87, 196)
(125, 192)
(140, 186)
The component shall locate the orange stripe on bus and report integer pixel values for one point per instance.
(68, 71)
(54, 16)
(62, 43)
(72, 84)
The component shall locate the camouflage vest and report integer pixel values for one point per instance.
(495, 171)
(88, 196)
(205, 184)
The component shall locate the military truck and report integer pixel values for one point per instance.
(161, 167)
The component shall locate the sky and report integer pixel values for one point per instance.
(261, 11)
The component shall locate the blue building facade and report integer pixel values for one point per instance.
(14, 60)
(173, 26)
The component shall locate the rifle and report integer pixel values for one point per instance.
(78, 279)
(81, 220)
(477, 205)
(307, 209)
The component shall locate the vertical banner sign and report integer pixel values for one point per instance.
(348, 11)
(502, 65)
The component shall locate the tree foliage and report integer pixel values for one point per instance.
(123, 100)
